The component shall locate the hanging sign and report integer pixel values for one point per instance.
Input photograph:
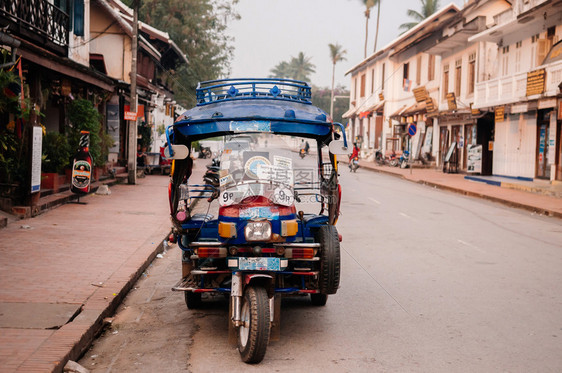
(130, 115)
(500, 110)
(451, 101)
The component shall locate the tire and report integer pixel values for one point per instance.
(253, 336)
(403, 164)
(192, 300)
(319, 299)
(394, 162)
(329, 277)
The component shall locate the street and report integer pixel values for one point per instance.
(431, 282)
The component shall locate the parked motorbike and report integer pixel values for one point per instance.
(379, 157)
(353, 164)
(404, 159)
(211, 176)
(205, 152)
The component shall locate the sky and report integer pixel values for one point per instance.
(271, 31)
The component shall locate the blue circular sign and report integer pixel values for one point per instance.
(412, 129)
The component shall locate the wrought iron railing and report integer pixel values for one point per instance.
(38, 21)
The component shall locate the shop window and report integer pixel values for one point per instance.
(382, 77)
(471, 72)
(431, 68)
(418, 70)
(458, 76)
(363, 78)
(445, 81)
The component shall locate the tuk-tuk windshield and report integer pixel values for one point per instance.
(251, 171)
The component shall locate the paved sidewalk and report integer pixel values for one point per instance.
(539, 203)
(64, 271)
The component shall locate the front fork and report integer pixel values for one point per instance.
(239, 280)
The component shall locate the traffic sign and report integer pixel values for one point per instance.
(412, 129)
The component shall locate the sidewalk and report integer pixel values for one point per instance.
(525, 195)
(64, 271)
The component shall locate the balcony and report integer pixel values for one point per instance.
(37, 21)
(513, 88)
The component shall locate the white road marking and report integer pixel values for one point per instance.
(406, 216)
(471, 245)
(375, 201)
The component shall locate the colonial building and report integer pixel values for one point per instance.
(522, 88)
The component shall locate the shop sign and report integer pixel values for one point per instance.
(36, 159)
(474, 158)
(535, 82)
(547, 103)
(130, 115)
(429, 106)
(500, 110)
(490, 146)
(452, 101)
(420, 94)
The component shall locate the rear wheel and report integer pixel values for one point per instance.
(318, 299)
(253, 334)
(329, 241)
(192, 300)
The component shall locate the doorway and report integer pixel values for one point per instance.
(543, 168)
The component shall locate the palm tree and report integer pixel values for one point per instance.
(337, 55)
(428, 8)
(280, 71)
(368, 5)
(300, 67)
(378, 16)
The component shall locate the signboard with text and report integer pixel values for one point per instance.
(535, 82)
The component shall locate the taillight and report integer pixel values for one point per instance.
(299, 253)
(230, 211)
(211, 252)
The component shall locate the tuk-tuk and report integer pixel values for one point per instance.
(275, 232)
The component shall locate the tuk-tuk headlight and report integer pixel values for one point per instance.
(257, 230)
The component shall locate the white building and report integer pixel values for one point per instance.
(522, 87)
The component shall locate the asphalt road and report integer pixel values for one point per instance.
(431, 282)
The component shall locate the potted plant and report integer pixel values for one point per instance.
(56, 154)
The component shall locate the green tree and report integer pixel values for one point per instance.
(300, 67)
(368, 5)
(199, 29)
(280, 71)
(322, 97)
(336, 55)
(428, 8)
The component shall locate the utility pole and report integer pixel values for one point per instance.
(132, 154)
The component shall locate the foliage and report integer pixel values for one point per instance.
(321, 98)
(83, 116)
(337, 54)
(298, 68)
(428, 8)
(56, 152)
(199, 29)
(368, 5)
(145, 134)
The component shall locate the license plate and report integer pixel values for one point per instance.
(259, 264)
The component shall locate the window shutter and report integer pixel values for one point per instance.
(543, 46)
(79, 17)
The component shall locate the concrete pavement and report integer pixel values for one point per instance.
(63, 272)
(525, 197)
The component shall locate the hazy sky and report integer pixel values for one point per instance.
(271, 31)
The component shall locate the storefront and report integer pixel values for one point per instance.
(460, 128)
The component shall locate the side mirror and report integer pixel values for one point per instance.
(180, 152)
(338, 148)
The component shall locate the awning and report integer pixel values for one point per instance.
(417, 108)
(350, 113)
(378, 107)
(398, 112)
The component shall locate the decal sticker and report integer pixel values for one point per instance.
(250, 126)
(251, 166)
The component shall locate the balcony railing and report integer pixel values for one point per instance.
(37, 21)
(513, 88)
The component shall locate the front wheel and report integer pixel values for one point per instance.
(253, 334)
(192, 300)
(330, 258)
(318, 299)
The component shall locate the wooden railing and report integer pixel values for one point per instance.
(37, 21)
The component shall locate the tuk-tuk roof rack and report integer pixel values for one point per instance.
(251, 89)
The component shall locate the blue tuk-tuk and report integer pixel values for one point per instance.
(275, 232)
